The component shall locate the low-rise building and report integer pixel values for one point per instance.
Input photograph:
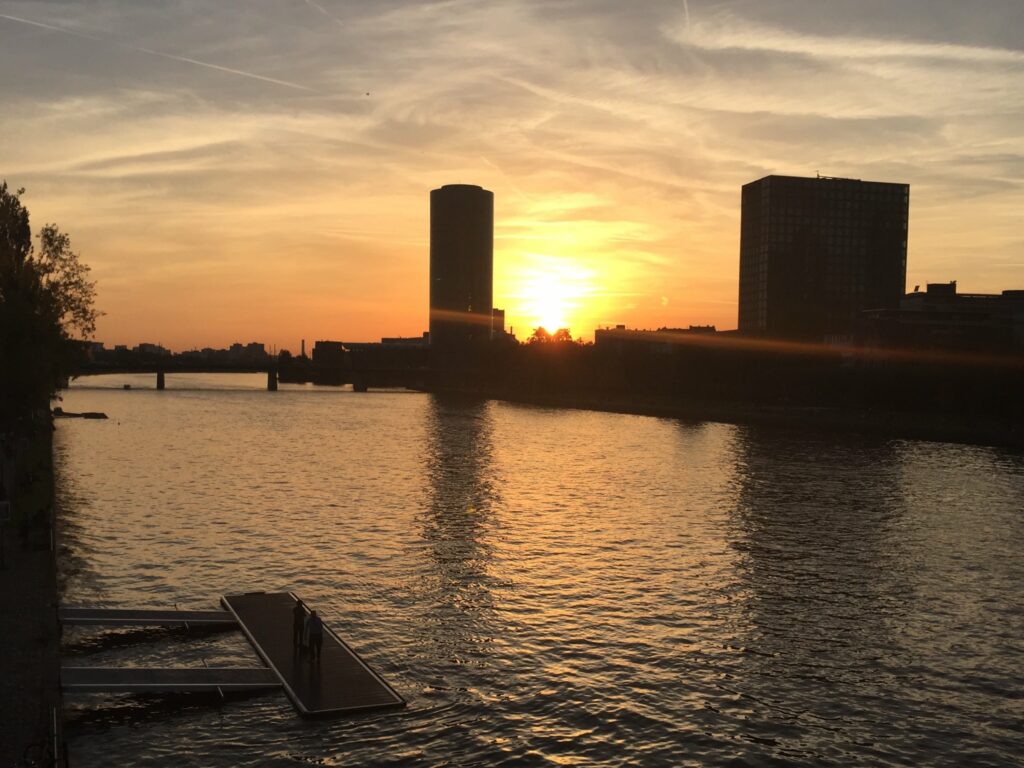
(662, 340)
(941, 318)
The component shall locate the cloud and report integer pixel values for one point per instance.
(729, 32)
(615, 139)
(161, 54)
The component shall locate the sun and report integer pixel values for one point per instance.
(552, 292)
(549, 306)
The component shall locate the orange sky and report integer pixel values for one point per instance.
(261, 170)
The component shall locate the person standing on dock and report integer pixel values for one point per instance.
(298, 623)
(315, 632)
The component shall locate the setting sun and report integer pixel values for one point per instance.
(552, 293)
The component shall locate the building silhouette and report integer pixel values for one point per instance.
(461, 267)
(497, 323)
(816, 252)
(941, 318)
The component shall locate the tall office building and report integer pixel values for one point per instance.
(461, 266)
(815, 253)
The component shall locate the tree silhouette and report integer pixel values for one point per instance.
(539, 336)
(542, 336)
(46, 299)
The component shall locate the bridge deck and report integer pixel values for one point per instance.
(123, 617)
(340, 682)
(147, 680)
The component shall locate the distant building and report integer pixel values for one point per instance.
(406, 342)
(497, 323)
(941, 318)
(690, 329)
(388, 343)
(329, 362)
(155, 350)
(461, 267)
(253, 352)
(815, 253)
(662, 341)
(328, 354)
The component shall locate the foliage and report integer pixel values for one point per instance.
(45, 297)
(539, 336)
(542, 336)
(65, 283)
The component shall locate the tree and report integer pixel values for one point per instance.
(69, 295)
(46, 298)
(542, 336)
(539, 336)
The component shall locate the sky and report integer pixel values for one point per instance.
(259, 170)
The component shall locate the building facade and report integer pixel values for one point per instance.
(461, 267)
(816, 252)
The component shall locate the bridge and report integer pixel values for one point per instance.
(161, 369)
(361, 377)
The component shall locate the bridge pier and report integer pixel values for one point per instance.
(159, 379)
(272, 380)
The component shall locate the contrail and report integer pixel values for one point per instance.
(161, 54)
(686, 10)
(511, 183)
(324, 11)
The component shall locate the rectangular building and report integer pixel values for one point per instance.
(816, 252)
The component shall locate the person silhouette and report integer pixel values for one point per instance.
(315, 634)
(298, 623)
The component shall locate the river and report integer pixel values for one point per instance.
(546, 587)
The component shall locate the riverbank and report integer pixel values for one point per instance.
(30, 705)
(946, 428)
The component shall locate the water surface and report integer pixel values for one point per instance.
(547, 587)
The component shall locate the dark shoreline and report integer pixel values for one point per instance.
(945, 428)
(30, 704)
(908, 425)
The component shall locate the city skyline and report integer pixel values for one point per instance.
(264, 175)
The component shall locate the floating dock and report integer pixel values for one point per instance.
(166, 680)
(339, 682)
(132, 617)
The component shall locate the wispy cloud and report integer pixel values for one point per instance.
(728, 32)
(151, 52)
(615, 142)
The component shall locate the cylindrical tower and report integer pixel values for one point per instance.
(461, 267)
